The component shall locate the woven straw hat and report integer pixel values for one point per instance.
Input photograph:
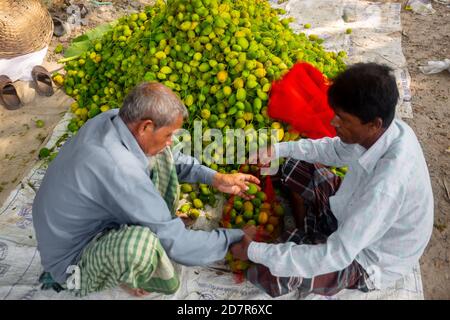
(25, 26)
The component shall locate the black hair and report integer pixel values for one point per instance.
(367, 91)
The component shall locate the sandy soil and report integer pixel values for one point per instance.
(428, 38)
(424, 38)
(20, 139)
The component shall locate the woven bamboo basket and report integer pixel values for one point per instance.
(25, 26)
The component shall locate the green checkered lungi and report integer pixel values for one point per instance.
(164, 177)
(133, 255)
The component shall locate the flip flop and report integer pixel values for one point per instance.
(59, 27)
(83, 10)
(8, 94)
(42, 81)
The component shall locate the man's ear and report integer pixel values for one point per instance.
(377, 124)
(145, 125)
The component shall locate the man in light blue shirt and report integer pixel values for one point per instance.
(362, 232)
(101, 207)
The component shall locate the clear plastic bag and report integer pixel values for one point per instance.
(436, 66)
(422, 7)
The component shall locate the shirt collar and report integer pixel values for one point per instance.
(370, 158)
(129, 141)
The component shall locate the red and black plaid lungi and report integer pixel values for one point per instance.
(315, 183)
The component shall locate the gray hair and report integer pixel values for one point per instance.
(152, 101)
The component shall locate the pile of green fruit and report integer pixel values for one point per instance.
(219, 56)
(196, 196)
(266, 215)
(257, 212)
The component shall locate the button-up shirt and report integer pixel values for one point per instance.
(101, 179)
(384, 209)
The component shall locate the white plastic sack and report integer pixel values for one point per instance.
(19, 68)
(436, 66)
(422, 7)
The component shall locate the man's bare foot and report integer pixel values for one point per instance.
(136, 292)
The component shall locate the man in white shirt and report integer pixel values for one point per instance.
(361, 232)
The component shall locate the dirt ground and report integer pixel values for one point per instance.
(20, 139)
(424, 38)
(428, 38)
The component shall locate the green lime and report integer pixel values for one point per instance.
(241, 94)
(233, 214)
(239, 124)
(205, 190)
(72, 127)
(239, 221)
(93, 112)
(186, 188)
(44, 153)
(256, 202)
(59, 48)
(142, 16)
(198, 203)
(205, 113)
(194, 213)
(248, 215)
(40, 123)
(185, 207)
(261, 196)
(252, 189)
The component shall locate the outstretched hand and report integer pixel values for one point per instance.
(235, 183)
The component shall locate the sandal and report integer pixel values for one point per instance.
(8, 94)
(59, 27)
(42, 81)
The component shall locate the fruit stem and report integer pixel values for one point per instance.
(64, 60)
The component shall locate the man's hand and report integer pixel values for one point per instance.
(250, 231)
(188, 221)
(235, 183)
(239, 249)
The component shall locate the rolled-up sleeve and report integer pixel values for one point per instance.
(328, 151)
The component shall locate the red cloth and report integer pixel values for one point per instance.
(300, 99)
(269, 190)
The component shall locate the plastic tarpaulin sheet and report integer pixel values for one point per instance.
(375, 37)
